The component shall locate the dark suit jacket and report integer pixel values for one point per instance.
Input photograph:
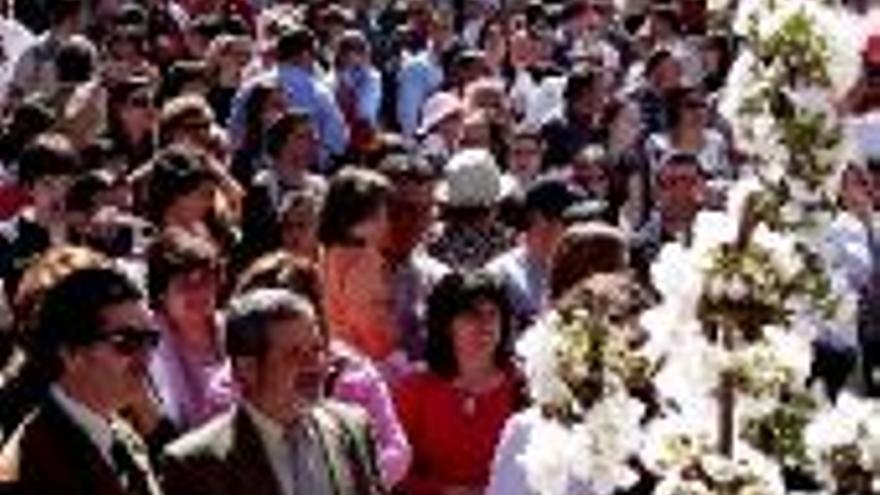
(227, 457)
(49, 454)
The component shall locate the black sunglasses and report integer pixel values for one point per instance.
(130, 340)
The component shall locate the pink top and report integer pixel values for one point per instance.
(359, 382)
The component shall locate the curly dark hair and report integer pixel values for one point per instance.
(457, 293)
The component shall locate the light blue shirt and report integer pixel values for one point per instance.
(367, 84)
(302, 89)
(525, 281)
(420, 75)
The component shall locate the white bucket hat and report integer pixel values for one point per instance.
(438, 108)
(471, 179)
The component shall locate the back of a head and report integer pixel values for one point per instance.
(585, 250)
(294, 42)
(282, 270)
(48, 154)
(354, 195)
(75, 61)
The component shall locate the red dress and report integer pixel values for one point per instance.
(452, 433)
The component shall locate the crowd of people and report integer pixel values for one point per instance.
(278, 247)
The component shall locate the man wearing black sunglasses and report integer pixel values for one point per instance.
(94, 334)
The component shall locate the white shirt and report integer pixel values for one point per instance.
(272, 435)
(96, 427)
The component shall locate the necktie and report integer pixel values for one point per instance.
(133, 477)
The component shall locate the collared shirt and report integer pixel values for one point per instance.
(97, 428)
(420, 75)
(366, 82)
(525, 281)
(306, 90)
(297, 458)
(302, 89)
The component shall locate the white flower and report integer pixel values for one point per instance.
(546, 458)
(538, 348)
(677, 440)
(605, 440)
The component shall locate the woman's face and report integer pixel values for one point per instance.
(191, 294)
(476, 334)
(857, 191)
(495, 43)
(693, 111)
(299, 230)
(592, 177)
(193, 206)
(138, 111)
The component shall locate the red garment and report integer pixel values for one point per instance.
(12, 199)
(453, 434)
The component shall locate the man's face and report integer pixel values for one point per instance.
(291, 376)
(49, 193)
(680, 190)
(301, 149)
(113, 368)
(525, 154)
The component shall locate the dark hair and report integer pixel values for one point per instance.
(279, 131)
(354, 195)
(173, 173)
(406, 167)
(47, 155)
(84, 193)
(175, 252)
(585, 250)
(454, 294)
(581, 80)
(70, 311)
(75, 61)
(682, 159)
(181, 73)
(656, 59)
(249, 315)
(61, 10)
(29, 120)
(282, 270)
(294, 42)
(254, 106)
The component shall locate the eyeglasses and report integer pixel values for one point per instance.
(130, 340)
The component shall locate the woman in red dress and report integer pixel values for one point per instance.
(454, 411)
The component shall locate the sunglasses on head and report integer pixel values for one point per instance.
(130, 340)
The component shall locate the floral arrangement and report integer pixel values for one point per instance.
(844, 441)
(729, 347)
(584, 373)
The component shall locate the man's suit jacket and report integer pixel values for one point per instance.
(49, 454)
(227, 456)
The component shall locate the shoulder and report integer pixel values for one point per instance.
(211, 440)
